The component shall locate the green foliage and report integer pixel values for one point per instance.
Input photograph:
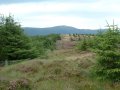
(86, 43)
(82, 45)
(108, 51)
(54, 37)
(44, 43)
(14, 44)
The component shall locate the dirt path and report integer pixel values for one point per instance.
(65, 42)
(66, 48)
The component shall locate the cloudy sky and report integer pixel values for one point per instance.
(90, 14)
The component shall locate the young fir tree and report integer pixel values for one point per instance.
(82, 45)
(14, 44)
(108, 51)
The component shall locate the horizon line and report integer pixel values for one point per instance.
(62, 26)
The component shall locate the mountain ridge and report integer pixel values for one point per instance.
(58, 30)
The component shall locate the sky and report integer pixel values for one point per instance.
(82, 14)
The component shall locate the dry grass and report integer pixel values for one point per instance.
(64, 69)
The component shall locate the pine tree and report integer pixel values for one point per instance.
(14, 44)
(82, 45)
(108, 51)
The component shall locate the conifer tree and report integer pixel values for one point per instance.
(14, 44)
(108, 51)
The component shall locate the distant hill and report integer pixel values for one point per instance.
(57, 30)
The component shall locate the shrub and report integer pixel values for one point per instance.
(82, 45)
(14, 44)
(19, 84)
(108, 52)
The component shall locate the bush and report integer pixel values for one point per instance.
(19, 84)
(86, 43)
(108, 52)
(14, 44)
(82, 45)
(44, 43)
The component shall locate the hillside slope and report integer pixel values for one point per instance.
(57, 30)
